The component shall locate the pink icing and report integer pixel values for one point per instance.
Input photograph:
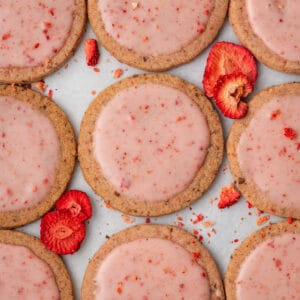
(150, 141)
(272, 270)
(24, 276)
(29, 155)
(151, 269)
(33, 31)
(277, 23)
(269, 158)
(154, 27)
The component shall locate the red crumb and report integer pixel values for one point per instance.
(262, 220)
(93, 92)
(290, 133)
(50, 93)
(228, 196)
(118, 73)
(6, 36)
(290, 220)
(147, 220)
(249, 204)
(127, 219)
(91, 52)
(198, 219)
(96, 70)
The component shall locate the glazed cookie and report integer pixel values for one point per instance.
(263, 151)
(29, 271)
(266, 265)
(156, 35)
(270, 30)
(150, 144)
(37, 155)
(152, 262)
(37, 37)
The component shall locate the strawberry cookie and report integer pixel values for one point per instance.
(150, 144)
(29, 271)
(37, 37)
(264, 151)
(266, 265)
(152, 262)
(270, 29)
(37, 155)
(156, 35)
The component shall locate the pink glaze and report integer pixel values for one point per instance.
(272, 270)
(277, 23)
(154, 27)
(32, 31)
(151, 269)
(150, 140)
(269, 158)
(25, 276)
(29, 155)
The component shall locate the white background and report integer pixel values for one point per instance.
(72, 86)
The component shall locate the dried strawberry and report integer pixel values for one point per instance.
(91, 52)
(77, 203)
(229, 196)
(227, 58)
(290, 133)
(61, 233)
(228, 92)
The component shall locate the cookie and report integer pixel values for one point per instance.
(263, 151)
(37, 155)
(155, 35)
(150, 144)
(37, 38)
(270, 30)
(29, 271)
(160, 261)
(266, 264)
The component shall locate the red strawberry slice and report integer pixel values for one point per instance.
(77, 203)
(228, 92)
(227, 58)
(91, 52)
(61, 233)
(229, 196)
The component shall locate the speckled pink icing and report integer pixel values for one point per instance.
(154, 27)
(32, 31)
(150, 140)
(277, 23)
(24, 276)
(272, 270)
(151, 269)
(29, 155)
(269, 158)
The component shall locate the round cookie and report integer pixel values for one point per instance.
(263, 151)
(37, 157)
(266, 264)
(174, 239)
(37, 38)
(254, 21)
(51, 271)
(156, 35)
(141, 163)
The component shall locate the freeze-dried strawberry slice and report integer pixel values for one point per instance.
(228, 93)
(229, 196)
(77, 203)
(91, 52)
(227, 58)
(61, 233)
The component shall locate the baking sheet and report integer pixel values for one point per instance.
(73, 87)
